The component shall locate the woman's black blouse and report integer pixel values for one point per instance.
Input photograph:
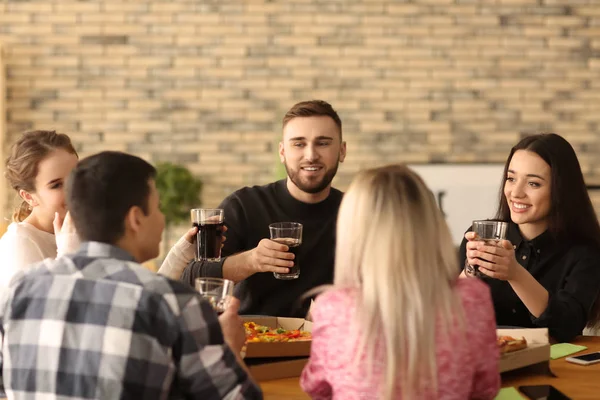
(570, 274)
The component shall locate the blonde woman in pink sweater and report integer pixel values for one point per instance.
(398, 323)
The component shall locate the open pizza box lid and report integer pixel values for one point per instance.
(537, 351)
(284, 349)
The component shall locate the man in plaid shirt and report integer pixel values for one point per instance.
(97, 325)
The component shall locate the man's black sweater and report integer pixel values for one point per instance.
(248, 213)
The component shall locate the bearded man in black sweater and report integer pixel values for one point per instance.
(311, 150)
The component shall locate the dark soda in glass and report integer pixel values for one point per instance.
(294, 246)
(208, 240)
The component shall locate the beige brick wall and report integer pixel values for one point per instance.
(3, 187)
(207, 82)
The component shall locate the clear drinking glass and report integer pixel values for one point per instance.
(290, 234)
(210, 233)
(488, 231)
(216, 291)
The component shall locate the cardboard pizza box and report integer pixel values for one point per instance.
(268, 361)
(284, 349)
(537, 351)
(276, 368)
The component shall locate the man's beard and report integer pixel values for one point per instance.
(312, 187)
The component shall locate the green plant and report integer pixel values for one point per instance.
(179, 192)
(280, 172)
(279, 169)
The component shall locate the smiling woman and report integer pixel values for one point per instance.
(36, 169)
(547, 274)
(527, 190)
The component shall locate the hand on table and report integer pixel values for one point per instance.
(233, 326)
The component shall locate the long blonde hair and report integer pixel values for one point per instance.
(395, 247)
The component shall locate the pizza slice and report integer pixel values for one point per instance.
(508, 344)
(261, 333)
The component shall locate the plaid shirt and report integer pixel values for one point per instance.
(97, 325)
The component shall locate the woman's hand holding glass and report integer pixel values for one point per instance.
(190, 235)
(497, 262)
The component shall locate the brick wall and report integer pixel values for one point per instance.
(207, 82)
(3, 187)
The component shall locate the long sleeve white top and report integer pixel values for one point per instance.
(23, 244)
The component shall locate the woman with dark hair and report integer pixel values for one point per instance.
(547, 274)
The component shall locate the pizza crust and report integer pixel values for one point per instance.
(508, 344)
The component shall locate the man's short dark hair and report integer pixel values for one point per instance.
(313, 108)
(102, 189)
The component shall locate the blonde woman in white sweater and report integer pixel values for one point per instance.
(37, 168)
